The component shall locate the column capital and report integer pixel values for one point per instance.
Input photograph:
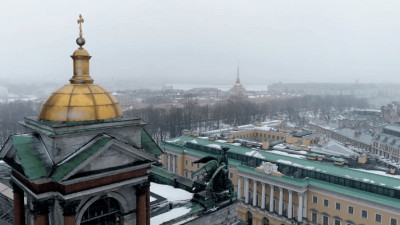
(141, 189)
(69, 207)
(41, 207)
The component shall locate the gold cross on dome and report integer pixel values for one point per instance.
(80, 21)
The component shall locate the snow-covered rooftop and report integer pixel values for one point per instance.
(170, 193)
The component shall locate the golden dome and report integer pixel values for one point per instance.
(81, 100)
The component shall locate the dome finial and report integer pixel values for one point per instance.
(80, 40)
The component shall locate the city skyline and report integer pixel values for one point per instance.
(188, 42)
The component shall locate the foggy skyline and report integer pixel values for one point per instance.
(142, 43)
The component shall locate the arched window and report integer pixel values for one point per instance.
(105, 211)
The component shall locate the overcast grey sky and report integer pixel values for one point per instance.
(186, 41)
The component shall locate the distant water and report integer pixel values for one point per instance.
(250, 87)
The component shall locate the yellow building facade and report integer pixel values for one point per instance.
(300, 192)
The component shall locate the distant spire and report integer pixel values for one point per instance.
(237, 77)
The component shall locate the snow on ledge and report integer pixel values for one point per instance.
(170, 193)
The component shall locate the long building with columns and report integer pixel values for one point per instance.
(286, 189)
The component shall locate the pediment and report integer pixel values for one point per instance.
(101, 155)
(113, 156)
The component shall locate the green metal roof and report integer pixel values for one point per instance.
(32, 155)
(181, 149)
(339, 160)
(162, 172)
(80, 156)
(285, 179)
(196, 208)
(177, 144)
(149, 145)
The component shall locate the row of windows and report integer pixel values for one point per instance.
(261, 135)
(350, 210)
(192, 164)
(325, 220)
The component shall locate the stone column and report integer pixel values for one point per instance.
(246, 190)
(239, 190)
(262, 195)
(69, 211)
(40, 212)
(19, 206)
(168, 162)
(290, 205)
(254, 193)
(305, 204)
(271, 198)
(300, 208)
(174, 163)
(280, 201)
(141, 210)
(148, 204)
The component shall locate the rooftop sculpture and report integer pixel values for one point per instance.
(213, 186)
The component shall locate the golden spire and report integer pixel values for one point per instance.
(81, 60)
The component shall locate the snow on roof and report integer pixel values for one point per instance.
(214, 146)
(173, 140)
(254, 153)
(279, 147)
(382, 173)
(284, 161)
(170, 193)
(172, 214)
(287, 154)
(333, 148)
(264, 126)
(235, 144)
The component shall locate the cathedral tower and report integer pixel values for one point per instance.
(82, 161)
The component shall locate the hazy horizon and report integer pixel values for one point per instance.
(148, 43)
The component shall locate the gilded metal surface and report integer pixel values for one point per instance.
(81, 100)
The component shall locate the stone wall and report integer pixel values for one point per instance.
(223, 216)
